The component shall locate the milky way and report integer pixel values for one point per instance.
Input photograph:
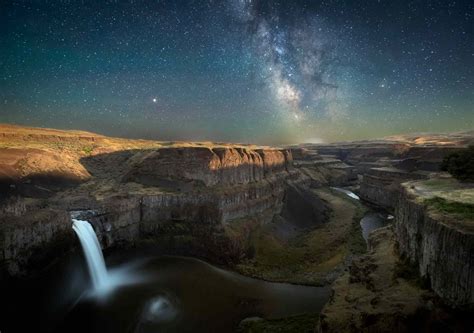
(238, 70)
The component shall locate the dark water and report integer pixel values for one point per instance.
(163, 294)
(372, 221)
(188, 295)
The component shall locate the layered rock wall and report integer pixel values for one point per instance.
(35, 241)
(231, 204)
(234, 183)
(380, 186)
(443, 252)
(217, 166)
(116, 221)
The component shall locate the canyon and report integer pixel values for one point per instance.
(272, 213)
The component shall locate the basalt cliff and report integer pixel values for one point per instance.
(440, 243)
(177, 196)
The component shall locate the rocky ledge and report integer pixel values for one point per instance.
(381, 186)
(434, 228)
(381, 293)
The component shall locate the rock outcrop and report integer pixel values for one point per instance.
(209, 166)
(176, 196)
(34, 241)
(380, 293)
(442, 246)
(368, 297)
(323, 169)
(381, 186)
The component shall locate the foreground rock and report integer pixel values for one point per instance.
(382, 294)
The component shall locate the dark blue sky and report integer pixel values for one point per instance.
(238, 70)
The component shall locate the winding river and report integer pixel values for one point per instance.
(371, 220)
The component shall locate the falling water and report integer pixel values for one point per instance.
(93, 253)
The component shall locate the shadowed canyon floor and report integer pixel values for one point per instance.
(307, 255)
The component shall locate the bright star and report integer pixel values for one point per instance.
(154, 100)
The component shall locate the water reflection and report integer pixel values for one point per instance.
(372, 221)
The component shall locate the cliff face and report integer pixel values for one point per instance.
(323, 169)
(217, 166)
(33, 242)
(443, 251)
(176, 196)
(381, 186)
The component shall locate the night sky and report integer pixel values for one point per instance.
(238, 70)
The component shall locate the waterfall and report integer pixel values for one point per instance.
(92, 252)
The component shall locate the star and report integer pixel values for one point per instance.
(286, 67)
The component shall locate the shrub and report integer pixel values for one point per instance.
(88, 150)
(460, 209)
(460, 164)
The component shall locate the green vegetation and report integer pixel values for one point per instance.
(441, 184)
(356, 242)
(88, 149)
(304, 259)
(459, 209)
(308, 255)
(297, 324)
(460, 164)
